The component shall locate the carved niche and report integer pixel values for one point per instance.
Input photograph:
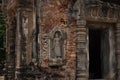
(57, 47)
(24, 34)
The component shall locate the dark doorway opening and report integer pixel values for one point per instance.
(95, 64)
(2, 42)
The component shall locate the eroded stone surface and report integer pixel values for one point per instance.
(30, 33)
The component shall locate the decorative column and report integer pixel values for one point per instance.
(11, 49)
(7, 48)
(23, 42)
(18, 52)
(117, 33)
(82, 60)
(82, 43)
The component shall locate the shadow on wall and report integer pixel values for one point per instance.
(2, 42)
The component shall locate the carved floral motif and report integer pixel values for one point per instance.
(102, 11)
(44, 49)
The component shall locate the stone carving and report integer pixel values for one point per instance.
(44, 49)
(34, 50)
(63, 3)
(101, 10)
(57, 46)
(24, 24)
(24, 32)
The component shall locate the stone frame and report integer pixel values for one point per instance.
(111, 35)
(83, 19)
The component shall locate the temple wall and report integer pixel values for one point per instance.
(55, 14)
(50, 39)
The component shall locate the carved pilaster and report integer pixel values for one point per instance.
(81, 42)
(18, 46)
(82, 68)
(11, 49)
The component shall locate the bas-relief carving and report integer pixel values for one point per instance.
(100, 10)
(34, 44)
(24, 33)
(24, 22)
(45, 45)
(53, 47)
(57, 46)
(44, 53)
(25, 25)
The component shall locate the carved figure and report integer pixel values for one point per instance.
(25, 23)
(57, 45)
(34, 52)
(24, 36)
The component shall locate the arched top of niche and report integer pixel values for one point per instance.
(57, 29)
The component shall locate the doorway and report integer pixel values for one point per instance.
(101, 52)
(95, 63)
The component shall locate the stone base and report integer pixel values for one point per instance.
(56, 62)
